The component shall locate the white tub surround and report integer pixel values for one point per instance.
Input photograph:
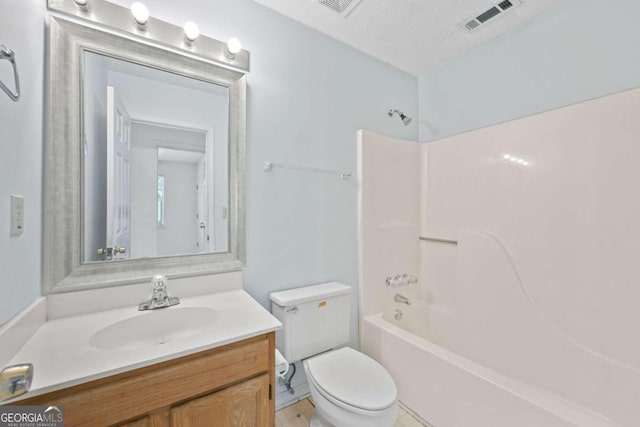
(63, 356)
(448, 390)
(388, 217)
(528, 244)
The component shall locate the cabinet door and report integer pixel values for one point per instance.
(141, 422)
(156, 419)
(242, 405)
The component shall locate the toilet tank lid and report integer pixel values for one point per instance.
(309, 293)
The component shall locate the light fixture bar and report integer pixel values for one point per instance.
(157, 32)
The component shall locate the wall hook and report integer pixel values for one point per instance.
(9, 55)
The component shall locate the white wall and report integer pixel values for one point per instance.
(179, 233)
(308, 95)
(145, 139)
(579, 50)
(21, 29)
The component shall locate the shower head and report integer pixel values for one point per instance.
(6, 53)
(405, 119)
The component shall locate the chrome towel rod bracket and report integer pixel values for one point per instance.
(9, 55)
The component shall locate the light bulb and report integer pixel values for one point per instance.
(140, 13)
(506, 157)
(191, 31)
(233, 46)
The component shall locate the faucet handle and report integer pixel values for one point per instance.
(394, 282)
(400, 281)
(409, 279)
(160, 297)
(159, 282)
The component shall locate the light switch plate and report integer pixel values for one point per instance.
(17, 215)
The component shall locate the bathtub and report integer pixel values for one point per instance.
(447, 390)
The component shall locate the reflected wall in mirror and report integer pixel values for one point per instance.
(155, 162)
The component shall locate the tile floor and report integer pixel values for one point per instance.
(299, 414)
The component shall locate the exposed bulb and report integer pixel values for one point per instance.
(191, 31)
(233, 46)
(140, 13)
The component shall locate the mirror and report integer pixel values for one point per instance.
(155, 162)
(144, 160)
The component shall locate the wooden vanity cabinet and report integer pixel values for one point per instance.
(230, 386)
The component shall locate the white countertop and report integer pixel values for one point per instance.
(62, 355)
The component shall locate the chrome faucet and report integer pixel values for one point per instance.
(401, 299)
(159, 298)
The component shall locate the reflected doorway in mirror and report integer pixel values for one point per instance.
(141, 124)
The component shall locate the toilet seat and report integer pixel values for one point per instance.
(353, 380)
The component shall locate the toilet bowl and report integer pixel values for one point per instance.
(350, 389)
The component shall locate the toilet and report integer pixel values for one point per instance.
(349, 389)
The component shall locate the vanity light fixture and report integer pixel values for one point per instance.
(191, 32)
(228, 54)
(140, 14)
(233, 47)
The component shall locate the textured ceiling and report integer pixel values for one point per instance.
(413, 35)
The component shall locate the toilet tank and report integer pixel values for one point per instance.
(314, 319)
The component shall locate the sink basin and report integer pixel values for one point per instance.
(155, 327)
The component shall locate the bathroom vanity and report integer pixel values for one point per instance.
(208, 361)
(230, 385)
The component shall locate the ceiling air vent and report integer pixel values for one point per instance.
(471, 25)
(490, 13)
(505, 5)
(343, 7)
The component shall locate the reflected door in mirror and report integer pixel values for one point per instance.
(118, 235)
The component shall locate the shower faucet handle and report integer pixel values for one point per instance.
(399, 281)
(409, 279)
(394, 282)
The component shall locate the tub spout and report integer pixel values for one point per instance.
(401, 299)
